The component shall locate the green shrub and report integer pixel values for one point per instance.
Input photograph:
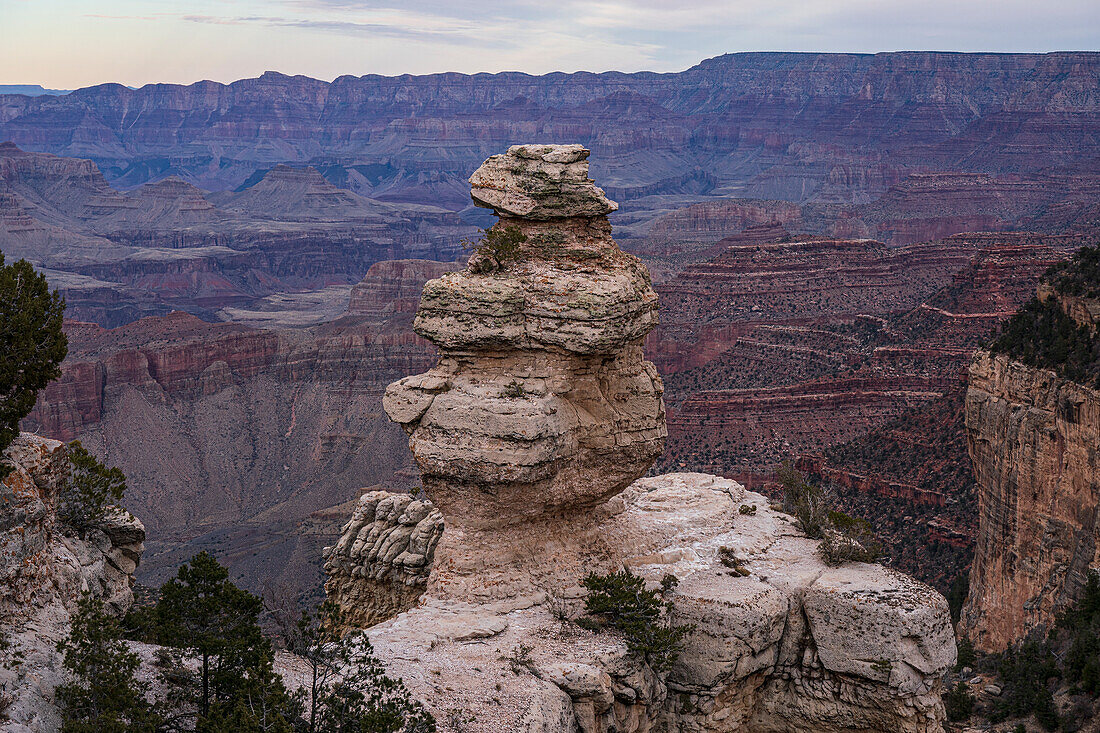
(496, 248)
(844, 538)
(959, 703)
(89, 489)
(103, 693)
(1025, 673)
(1041, 335)
(849, 539)
(621, 600)
(1079, 275)
(956, 595)
(968, 656)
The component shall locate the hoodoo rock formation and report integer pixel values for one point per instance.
(542, 406)
(528, 434)
(1033, 438)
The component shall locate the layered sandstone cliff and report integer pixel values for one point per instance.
(1033, 439)
(45, 568)
(528, 434)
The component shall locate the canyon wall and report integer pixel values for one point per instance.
(1033, 439)
(838, 127)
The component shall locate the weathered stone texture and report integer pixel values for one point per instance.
(1033, 439)
(45, 568)
(380, 566)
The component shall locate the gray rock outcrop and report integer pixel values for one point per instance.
(380, 566)
(45, 568)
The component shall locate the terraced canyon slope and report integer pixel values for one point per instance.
(838, 128)
(168, 245)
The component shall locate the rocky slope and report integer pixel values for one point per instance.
(815, 341)
(45, 566)
(526, 440)
(1032, 436)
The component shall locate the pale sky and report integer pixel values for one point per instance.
(73, 43)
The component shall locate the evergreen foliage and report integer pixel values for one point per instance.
(849, 539)
(104, 696)
(202, 613)
(956, 595)
(958, 703)
(1079, 275)
(349, 690)
(1081, 624)
(496, 248)
(1026, 673)
(642, 616)
(32, 345)
(89, 489)
(1041, 335)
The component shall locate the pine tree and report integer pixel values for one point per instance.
(202, 612)
(32, 345)
(89, 488)
(104, 696)
(349, 690)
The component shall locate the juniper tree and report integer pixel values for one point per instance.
(104, 695)
(32, 344)
(349, 689)
(203, 613)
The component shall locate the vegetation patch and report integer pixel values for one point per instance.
(1041, 335)
(32, 345)
(844, 538)
(620, 600)
(497, 248)
(89, 489)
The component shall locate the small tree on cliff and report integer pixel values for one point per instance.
(32, 345)
(348, 687)
(202, 612)
(89, 488)
(103, 696)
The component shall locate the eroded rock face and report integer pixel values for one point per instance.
(531, 434)
(792, 646)
(1033, 440)
(45, 568)
(540, 182)
(542, 405)
(380, 566)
